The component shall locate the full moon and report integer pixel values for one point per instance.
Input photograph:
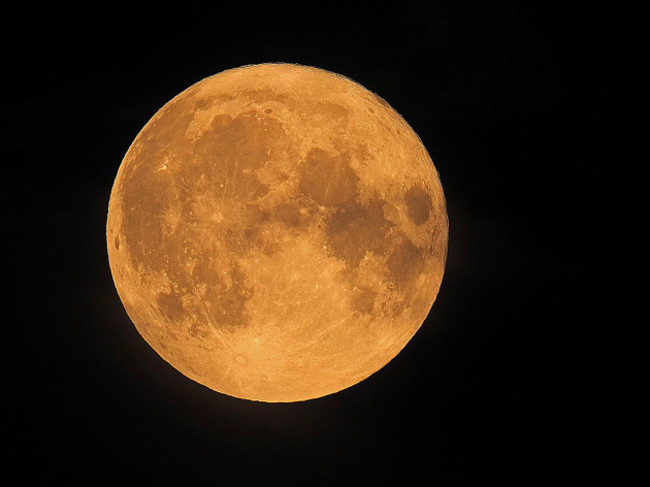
(277, 232)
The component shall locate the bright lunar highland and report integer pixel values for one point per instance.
(277, 232)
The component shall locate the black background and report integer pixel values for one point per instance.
(513, 103)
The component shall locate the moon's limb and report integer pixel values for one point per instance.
(277, 232)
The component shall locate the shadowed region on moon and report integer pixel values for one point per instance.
(328, 180)
(418, 205)
(355, 229)
(277, 232)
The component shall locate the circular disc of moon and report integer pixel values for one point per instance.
(277, 232)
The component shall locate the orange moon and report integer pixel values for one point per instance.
(277, 232)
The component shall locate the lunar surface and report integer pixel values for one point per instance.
(277, 232)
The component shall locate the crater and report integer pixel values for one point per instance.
(381, 101)
(328, 180)
(418, 205)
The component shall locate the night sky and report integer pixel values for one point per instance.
(512, 104)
